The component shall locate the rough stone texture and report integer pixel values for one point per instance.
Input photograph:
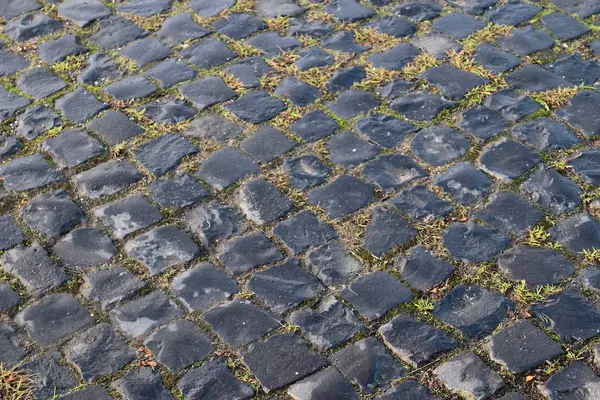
(216, 286)
(213, 379)
(536, 266)
(575, 381)
(110, 286)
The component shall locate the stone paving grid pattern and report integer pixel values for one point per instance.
(296, 199)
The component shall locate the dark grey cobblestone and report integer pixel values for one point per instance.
(289, 199)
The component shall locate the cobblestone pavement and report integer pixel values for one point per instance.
(292, 199)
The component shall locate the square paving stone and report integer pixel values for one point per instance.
(242, 254)
(349, 11)
(79, 105)
(281, 360)
(167, 111)
(144, 383)
(72, 148)
(322, 384)
(395, 58)
(375, 294)
(13, 8)
(514, 12)
(226, 167)
(576, 70)
(11, 63)
(526, 40)
(214, 380)
(98, 352)
(570, 315)
(131, 88)
(83, 12)
(209, 53)
(10, 232)
(12, 350)
(110, 286)
(54, 377)
(420, 203)
(59, 49)
(34, 268)
(408, 390)
(577, 381)
(114, 127)
(256, 107)
(273, 44)
(457, 25)
(128, 215)
(508, 159)
(305, 171)
(107, 178)
(214, 127)
(352, 103)
(145, 8)
(473, 310)
(386, 231)
(203, 286)
(513, 105)
(533, 78)
(285, 286)
(31, 26)
(578, 233)
(249, 71)
(240, 322)
(345, 78)
(85, 248)
(314, 125)
(30, 172)
(53, 318)
(494, 59)
(115, 31)
(100, 68)
(421, 106)
(414, 342)
(206, 92)
(329, 325)
(368, 364)
(39, 83)
(436, 44)
(394, 26)
(584, 8)
(266, 144)
(333, 265)
(8, 299)
(522, 347)
(418, 11)
(144, 51)
(422, 270)
(344, 41)
(586, 164)
(537, 266)
(9, 145)
(545, 134)
(214, 222)
(474, 242)
(171, 72)
(239, 25)
(551, 190)
(299, 93)
(250, 196)
(483, 123)
(439, 144)
(162, 248)
(454, 83)
(89, 392)
(589, 278)
(564, 27)
(164, 154)
(510, 213)
(10, 103)
(139, 317)
(52, 214)
(468, 376)
(343, 196)
(385, 130)
(465, 183)
(303, 231)
(180, 191)
(396, 88)
(349, 150)
(179, 344)
(579, 111)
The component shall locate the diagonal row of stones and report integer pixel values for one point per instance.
(349, 237)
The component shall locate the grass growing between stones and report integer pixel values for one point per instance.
(15, 384)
